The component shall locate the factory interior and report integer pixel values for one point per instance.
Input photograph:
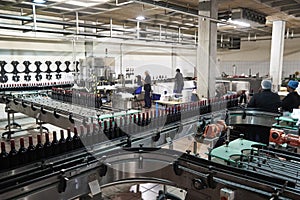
(150, 99)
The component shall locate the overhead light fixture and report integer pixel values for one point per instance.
(39, 1)
(140, 18)
(239, 23)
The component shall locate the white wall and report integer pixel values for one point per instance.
(157, 60)
(256, 55)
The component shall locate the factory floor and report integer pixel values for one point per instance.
(146, 191)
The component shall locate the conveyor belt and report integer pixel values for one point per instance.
(67, 176)
(198, 176)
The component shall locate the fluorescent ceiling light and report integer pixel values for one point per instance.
(239, 23)
(39, 1)
(82, 3)
(140, 18)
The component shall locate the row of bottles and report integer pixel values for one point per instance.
(110, 129)
(86, 136)
(137, 123)
(34, 86)
(76, 97)
(33, 153)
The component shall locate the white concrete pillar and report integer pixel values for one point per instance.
(89, 49)
(207, 49)
(174, 63)
(277, 47)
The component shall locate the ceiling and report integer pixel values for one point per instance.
(170, 20)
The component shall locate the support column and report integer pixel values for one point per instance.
(89, 49)
(174, 64)
(276, 61)
(207, 49)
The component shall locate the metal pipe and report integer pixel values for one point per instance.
(138, 29)
(34, 17)
(160, 32)
(124, 3)
(77, 23)
(121, 58)
(179, 34)
(110, 21)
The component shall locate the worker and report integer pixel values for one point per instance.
(179, 82)
(139, 80)
(147, 89)
(292, 100)
(266, 100)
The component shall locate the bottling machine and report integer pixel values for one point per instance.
(105, 147)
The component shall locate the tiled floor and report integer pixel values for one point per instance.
(150, 191)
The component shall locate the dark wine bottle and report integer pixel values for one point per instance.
(131, 125)
(54, 144)
(89, 138)
(125, 126)
(47, 146)
(116, 130)
(134, 125)
(105, 129)
(23, 155)
(178, 113)
(4, 159)
(148, 120)
(110, 130)
(143, 123)
(173, 114)
(101, 136)
(69, 140)
(139, 121)
(82, 135)
(39, 148)
(169, 116)
(13, 154)
(76, 140)
(95, 134)
(31, 150)
(62, 142)
(121, 127)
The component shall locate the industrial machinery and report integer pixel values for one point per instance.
(279, 137)
(124, 147)
(83, 172)
(96, 70)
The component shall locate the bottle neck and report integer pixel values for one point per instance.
(30, 141)
(22, 143)
(3, 150)
(81, 130)
(62, 134)
(54, 136)
(39, 139)
(75, 131)
(69, 132)
(12, 145)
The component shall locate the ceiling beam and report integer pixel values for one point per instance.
(283, 3)
(294, 12)
(288, 8)
(267, 1)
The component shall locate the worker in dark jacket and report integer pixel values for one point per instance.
(147, 89)
(266, 100)
(292, 100)
(179, 82)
